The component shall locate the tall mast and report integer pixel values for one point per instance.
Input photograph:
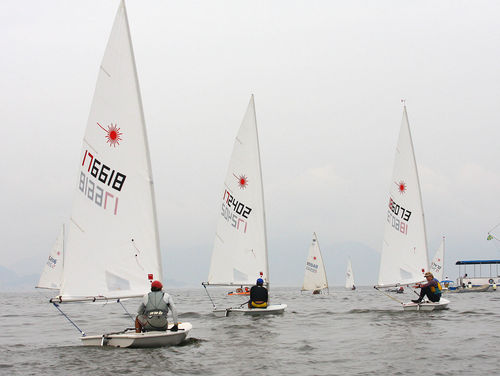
(405, 114)
(148, 157)
(262, 192)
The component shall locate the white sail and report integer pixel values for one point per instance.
(51, 277)
(315, 274)
(112, 244)
(349, 276)
(239, 256)
(437, 264)
(404, 252)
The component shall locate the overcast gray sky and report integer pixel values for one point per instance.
(327, 76)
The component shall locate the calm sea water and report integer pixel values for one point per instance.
(344, 333)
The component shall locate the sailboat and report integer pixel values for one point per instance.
(51, 277)
(404, 259)
(112, 248)
(437, 264)
(239, 255)
(315, 273)
(349, 277)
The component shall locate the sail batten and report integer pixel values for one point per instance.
(404, 257)
(239, 255)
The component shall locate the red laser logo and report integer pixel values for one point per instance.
(242, 181)
(113, 134)
(401, 187)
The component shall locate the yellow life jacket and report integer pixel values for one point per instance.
(436, 290)
(261, 305)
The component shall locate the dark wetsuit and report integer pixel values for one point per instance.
(432, 290)
(258, 294)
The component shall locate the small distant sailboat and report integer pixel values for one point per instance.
(112, 247)
(51, 277)
(349, 277)
(437, 264)
(404, 259)
(315, 274)
(239, 255)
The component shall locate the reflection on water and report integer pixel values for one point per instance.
(345, 333)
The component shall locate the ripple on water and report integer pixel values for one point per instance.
(191, 315)
(339, 334)
(192, 341)
(306, 348)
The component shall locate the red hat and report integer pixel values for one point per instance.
(157, 284)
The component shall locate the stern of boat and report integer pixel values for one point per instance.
(139, 340)
(275, 309)
(426, 306)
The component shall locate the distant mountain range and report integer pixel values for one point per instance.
(11, 281)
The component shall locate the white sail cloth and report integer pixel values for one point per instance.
(437, 264)
(349, 276)
(315, 274)
(112, 245)
(239, 255)
(404, 257)
(51, 277)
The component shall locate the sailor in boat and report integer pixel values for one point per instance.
(431, 289)
(258, 295)
(462, 282)
(353, 287)
(316, 292)
(240, 291)
(152, 313)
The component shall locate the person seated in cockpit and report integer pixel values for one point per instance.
(258, 295)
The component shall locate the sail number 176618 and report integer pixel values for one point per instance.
(95, 186)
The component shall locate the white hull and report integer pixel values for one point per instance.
(426, 306)
(462, 290)
(148, 339)
(270, 310)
